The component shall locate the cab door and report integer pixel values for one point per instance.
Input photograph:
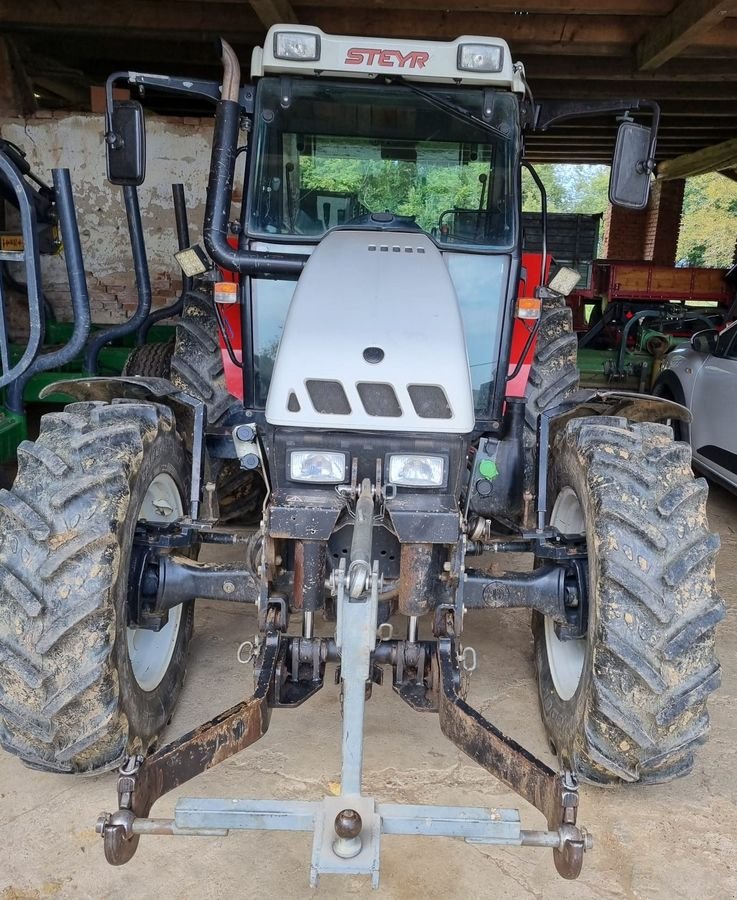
(714, 408)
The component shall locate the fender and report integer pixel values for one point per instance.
(668, 379)
(189, 412)
(635, 407)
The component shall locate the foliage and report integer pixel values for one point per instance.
(709, 224)
(570, 189)
(403, 187)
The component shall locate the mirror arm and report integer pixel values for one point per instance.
(113, 140)
(649, 164)
(194, 87)
(550, 113)
(547, 114)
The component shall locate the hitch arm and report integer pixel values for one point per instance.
(555, 795)
(143, 781)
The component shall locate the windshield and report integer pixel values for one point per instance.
(327, 153)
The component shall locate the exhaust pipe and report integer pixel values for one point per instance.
(220, 188)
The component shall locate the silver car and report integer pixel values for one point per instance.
(702, 375)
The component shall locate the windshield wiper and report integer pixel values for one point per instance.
(458, 112)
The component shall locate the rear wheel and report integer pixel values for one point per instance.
(79, 688)
(627, 702)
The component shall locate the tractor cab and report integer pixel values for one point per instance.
(415, 146)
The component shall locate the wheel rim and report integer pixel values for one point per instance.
(150, 652)
(566, 658)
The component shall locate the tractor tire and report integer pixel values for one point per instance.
(197, 364)
(150, 361)
(554, 375)
(197, 367)
(79, 690)
(627, 703)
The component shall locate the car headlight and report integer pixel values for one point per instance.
(320, 466)
(416, 470)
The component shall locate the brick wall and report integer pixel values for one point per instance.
(663, 222)
(624, 233)
(649, 234)
(178, 150)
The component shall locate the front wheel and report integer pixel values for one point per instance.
(79, 688)
(627, 702)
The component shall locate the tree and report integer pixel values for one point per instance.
(709, 222)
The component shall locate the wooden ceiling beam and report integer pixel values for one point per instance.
(134, 18)
(274, 12)
(604, 90)
(667, 126)
(523, 9)
(581, 68)
(685, 25)
(565, 34)
(149, 51)
(710, 159)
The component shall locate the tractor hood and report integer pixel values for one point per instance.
(373, 340)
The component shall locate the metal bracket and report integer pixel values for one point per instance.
(555, 795)
(142, 782)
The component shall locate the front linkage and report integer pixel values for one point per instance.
(429, 675)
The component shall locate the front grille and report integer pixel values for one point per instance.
(429, 401)
(379, 399)
(328, 397)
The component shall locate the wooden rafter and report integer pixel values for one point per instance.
(274, 12)
(710, 159)
(684, 26)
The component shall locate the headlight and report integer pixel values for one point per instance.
(414, 470)
(296, 45)
(480, 58)
(320, 466)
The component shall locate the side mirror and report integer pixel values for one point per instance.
(126, 143)
(705, 341)
(629, 184)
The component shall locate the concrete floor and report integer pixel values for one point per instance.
(671, 841)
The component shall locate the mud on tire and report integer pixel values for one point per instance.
(639, 709)
(69, 701)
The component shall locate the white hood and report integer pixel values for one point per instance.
(372, 295)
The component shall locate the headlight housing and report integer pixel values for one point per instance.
(418, 470)
(480, 58)
(297, 45)
(318, 466)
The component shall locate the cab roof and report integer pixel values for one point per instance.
(470, 59)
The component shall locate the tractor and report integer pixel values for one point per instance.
(370, 366)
